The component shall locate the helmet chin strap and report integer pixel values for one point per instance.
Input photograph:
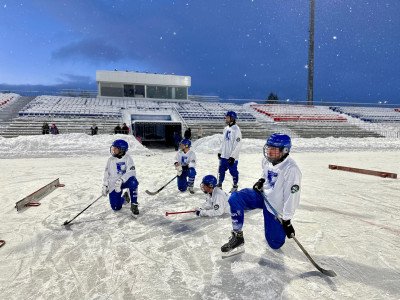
(275, 161)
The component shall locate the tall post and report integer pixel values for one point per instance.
(310, 90)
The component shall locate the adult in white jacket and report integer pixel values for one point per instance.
(280, 184)
(216, 199)
(185, 164)
(229, 151)
(120, 174)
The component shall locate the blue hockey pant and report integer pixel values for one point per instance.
(249, 199)
(187, 178)
(223, 166)
(116, 199)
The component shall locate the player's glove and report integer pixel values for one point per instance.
(288, 228)
(231, 161)
(219, 155)
(258, 186)
(118, 185)
(198, 213)
(104, 191)
(178, 170)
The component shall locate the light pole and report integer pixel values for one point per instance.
(310, 90)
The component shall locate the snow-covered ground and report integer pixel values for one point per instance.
(348, 223)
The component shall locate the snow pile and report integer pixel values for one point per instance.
(65, 145)
(211, 144)
(80, 144)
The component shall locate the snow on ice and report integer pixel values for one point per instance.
(347, 222)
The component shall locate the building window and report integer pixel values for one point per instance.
(111, 90)
(133, 90)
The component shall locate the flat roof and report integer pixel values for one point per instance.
(143, 78)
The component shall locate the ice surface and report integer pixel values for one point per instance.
(347, 222)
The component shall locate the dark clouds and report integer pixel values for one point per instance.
(239, 49)
(92, 50)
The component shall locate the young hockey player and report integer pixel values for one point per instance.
(216, 199)
(120, 174)
(185, 164)
(280, 184)
(229, 151)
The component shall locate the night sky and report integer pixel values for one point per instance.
(233, 49)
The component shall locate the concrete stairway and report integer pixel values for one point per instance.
(29, 126)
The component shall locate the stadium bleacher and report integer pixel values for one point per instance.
(369, 114)
(76, 114)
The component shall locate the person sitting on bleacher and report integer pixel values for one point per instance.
(45, 128)
(94, 129)
(54, 129)
(117, 129)
(125, 129)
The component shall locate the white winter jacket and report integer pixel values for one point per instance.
(123, 168)
(282, 186)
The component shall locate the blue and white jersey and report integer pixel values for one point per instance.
(186, 159)
(282, 186)
(231, 142)
(118, 168)
(216, 204)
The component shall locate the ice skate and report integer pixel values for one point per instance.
(234, 189)
(135, 209)
(234, 246)
(126, 197)
(191, 189)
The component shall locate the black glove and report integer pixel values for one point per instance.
(219, 155)
(231, 161)
(288, 228)
(185, 168)
(258, 186)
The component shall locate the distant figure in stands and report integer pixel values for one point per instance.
(229, 152)
(125, 129)
(188, 133)
(94, 129)
(200, 132)
(54, 129)
(45, 128)
(117, 129)
(177, 138)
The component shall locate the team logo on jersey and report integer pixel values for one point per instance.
(216, 207)
(228, 135)
(121, 168)
(133, 168)
(238, 140)
(295, 188)
(272, 178)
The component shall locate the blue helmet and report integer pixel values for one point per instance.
(187, 143)
(231, 114)
(121, 145)
(281, 141)
(209, 181)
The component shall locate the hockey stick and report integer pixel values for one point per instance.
(330, 273)
(67, 222)
(179, 212)
(159, 190)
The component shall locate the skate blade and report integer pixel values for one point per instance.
(233, 252)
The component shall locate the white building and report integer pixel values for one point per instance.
(142, 85)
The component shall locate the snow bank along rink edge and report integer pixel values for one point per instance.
(348, 222)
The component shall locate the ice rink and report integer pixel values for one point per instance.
(348, 223)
